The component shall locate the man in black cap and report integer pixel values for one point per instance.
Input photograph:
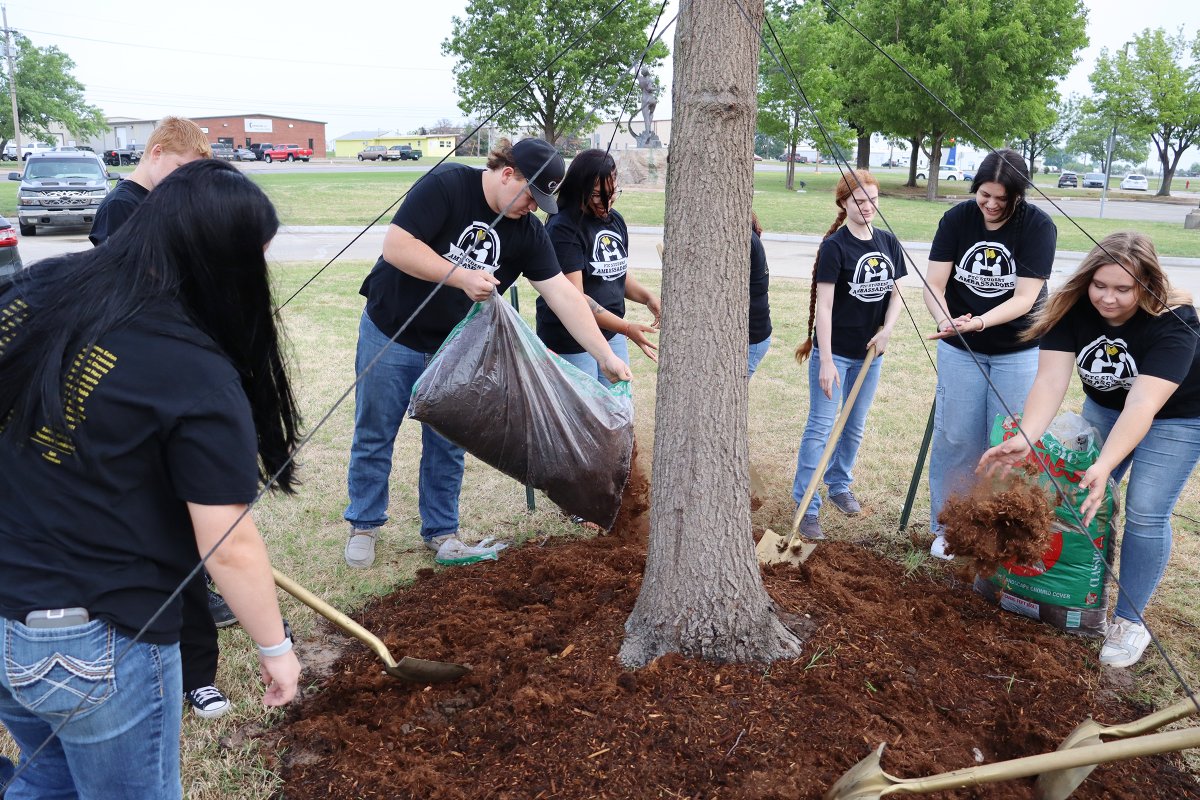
(482, 222)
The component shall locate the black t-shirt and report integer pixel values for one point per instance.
(760, 281)
(116, 207)
(863, 272)
(986, 265)
(447, 210)
(1109, 357)
(100, 521)
(599, 248)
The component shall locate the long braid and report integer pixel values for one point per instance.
(804, 349)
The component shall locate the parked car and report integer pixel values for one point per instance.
(122, 156)
(373, 152)
(10, 256)
(1068, 179)
(403, 152)
(60, 190)
(10, 150)
(1135, 182)
(287, 152)
(794, 157)
(895, 162)
(944, 174)
(223, 151)
(968, 174)
(258, 148)
(244, 154)
(1094, 180)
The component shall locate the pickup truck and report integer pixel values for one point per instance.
(403, 152)
(287, 152)
(122, 156)
(258, 148)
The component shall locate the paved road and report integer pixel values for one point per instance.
(789, 255)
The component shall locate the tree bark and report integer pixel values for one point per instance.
(914, 158)
(864, 149)
(702, 594)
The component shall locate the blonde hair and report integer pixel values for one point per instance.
(1130, 250)
(181, 136)
(855, 179)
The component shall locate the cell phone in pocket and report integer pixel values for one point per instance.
(56, 617)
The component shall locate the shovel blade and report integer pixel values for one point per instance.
(866, 780)
(773, 549)
(419, 670)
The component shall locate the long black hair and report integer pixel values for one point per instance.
(575, 193)
(1007, 168)
(199, 239)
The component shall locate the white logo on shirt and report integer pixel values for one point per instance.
(987, 269)
(478, 247)
(1106, 364)
(609, 257)
(872, 279)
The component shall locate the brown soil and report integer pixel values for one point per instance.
(1004, 518)
(548, 712)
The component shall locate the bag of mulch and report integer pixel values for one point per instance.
(1066, 588)
(496, 391)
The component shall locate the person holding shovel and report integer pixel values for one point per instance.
(591, 242)
(987, 270)
(853, 306)
(144, 399)
(482, 223)
(1133, 341)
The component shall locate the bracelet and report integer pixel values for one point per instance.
(283, 647)
(982, 324)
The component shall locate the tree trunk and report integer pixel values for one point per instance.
(702, 593)
(935, 163)
(864, 149)
(914, 157)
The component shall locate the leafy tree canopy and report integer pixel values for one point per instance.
(1154, 90)
(47, 93)
(500, 45)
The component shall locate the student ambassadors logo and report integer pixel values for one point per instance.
(872, 279)
(478, 247)
(1106, 364)
(610, 259)
(987, 270)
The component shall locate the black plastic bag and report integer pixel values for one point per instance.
(496, 391)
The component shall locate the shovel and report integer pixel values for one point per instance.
(414, 670)
(1058, 784)
(773, 548)
(867, 781)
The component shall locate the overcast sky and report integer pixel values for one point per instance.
(357, 67)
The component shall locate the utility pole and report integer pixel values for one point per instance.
(1112, 142)
(12, 83)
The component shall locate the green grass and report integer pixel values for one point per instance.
(305, 533)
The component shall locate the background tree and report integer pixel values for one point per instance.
(500, 44)
(703, 594)
(995, 62)
(804, 34)
(1156, 90)
(1092, 132)
(47, 93)
(1053, 128)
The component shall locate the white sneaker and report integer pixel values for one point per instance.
(938, 549)
(436, 542)
(1124, 644)
(360, 548)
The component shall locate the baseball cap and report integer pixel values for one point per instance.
(537, 157)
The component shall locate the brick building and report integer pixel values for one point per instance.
(239, 131)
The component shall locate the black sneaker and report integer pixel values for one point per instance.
(221, 613)
(208, 702)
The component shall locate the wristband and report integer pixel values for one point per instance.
(283, 647)
(982, 324)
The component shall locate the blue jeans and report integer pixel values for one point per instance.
(966, 407)
(822, 414)
(1158, 467)
(380, 402)
(124, 740)
(757, 351)
(588, 365)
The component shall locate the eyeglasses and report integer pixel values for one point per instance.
(612, 198)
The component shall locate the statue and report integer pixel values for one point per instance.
(647, 138)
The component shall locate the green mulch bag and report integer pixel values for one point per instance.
(496, 391)
(1067, 587)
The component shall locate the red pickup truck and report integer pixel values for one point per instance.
(287, 152)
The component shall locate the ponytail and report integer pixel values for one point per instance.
(804, 349)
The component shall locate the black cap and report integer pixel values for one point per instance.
(543, 167)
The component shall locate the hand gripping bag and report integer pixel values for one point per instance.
(496, 391)
(1066, 588)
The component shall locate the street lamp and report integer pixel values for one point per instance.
(1112, 141)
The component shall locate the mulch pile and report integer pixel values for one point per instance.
(1004, 518)
(548, 712)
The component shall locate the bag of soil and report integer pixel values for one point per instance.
(496, 391)
(1066, 588)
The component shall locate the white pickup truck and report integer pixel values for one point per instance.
(10, 150)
